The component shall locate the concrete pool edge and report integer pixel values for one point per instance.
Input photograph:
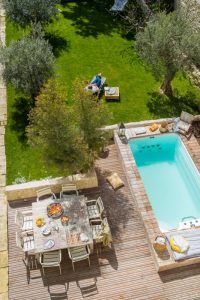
(165, 261)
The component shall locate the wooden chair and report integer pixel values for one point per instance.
(24, 219)
(95, 208)
(45, 193)
(67, 189)
(51, 259)
(79, 253)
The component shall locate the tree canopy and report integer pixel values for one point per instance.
(28, 63)
(53, 129)
(91, 115)
(169, 43)
(25, 12)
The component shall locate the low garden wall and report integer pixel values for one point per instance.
(28, 189)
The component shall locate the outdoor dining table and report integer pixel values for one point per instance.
(63, 235)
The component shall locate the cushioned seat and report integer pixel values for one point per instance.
(193, 238)
(183, 124)
(115, 181)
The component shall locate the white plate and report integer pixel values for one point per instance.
(49, 244)
(84, 237)
(112, 91)
(46, 230)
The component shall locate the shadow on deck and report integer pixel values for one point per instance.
(126, 271)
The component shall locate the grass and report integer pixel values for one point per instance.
(87, 40)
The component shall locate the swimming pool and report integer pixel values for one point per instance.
(170, 178)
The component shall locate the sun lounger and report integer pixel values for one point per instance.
(98, 89)
(183, 124)
(118, 5)
(193, 237)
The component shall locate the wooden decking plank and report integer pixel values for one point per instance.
(128, 272)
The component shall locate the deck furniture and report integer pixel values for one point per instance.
(25, 242)
(192, 236)
(63, 235)
(112, 93)
(101, 233)
(68, 188)
(79, 253)
(115, 181)
(51, 259)
(24, 219)
(183, 124)
(95, 208)
(97, 90)
(118, 5)
(45, 193)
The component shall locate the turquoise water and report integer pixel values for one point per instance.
(170, 178)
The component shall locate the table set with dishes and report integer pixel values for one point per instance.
(61, 224)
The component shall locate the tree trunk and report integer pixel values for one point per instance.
(144, 7)
(166, 87)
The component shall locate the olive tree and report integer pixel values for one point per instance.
(91, 116)
(25, 12)
(28, 63)
(169, 43)
(52, 128)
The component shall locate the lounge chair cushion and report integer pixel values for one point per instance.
(115, 181)
(179, 244)
(140, 130)
(154, 127)
(186, 117)
(193, 238)
(183, 126)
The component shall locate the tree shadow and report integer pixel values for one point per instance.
(19, 117)
(92, 18)
(162, 106)
(57, 42)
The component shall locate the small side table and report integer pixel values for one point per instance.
(114, 96)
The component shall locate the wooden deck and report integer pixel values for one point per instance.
(124, 272)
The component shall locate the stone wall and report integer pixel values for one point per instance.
(28, 189)
(3, 202)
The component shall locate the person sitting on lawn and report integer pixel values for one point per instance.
(95, 84)
(97, 80)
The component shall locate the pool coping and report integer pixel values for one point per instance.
(163, 261)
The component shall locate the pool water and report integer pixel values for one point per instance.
(170, 178)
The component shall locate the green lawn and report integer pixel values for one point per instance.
(87, 40)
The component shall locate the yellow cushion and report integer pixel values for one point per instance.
(115, 181)
(154, 127)
(179, 244)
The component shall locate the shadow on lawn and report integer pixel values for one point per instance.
(57, 42)
(92, 18)
(162, 106)
(19, 117)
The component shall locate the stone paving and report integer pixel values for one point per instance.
(3, 201)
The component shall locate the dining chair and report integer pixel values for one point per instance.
(95, 208)
(79, 253)
(45, 193)
(67, 188)
(51, 259)
(25, 242)
(100, 232)
(24, 219)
